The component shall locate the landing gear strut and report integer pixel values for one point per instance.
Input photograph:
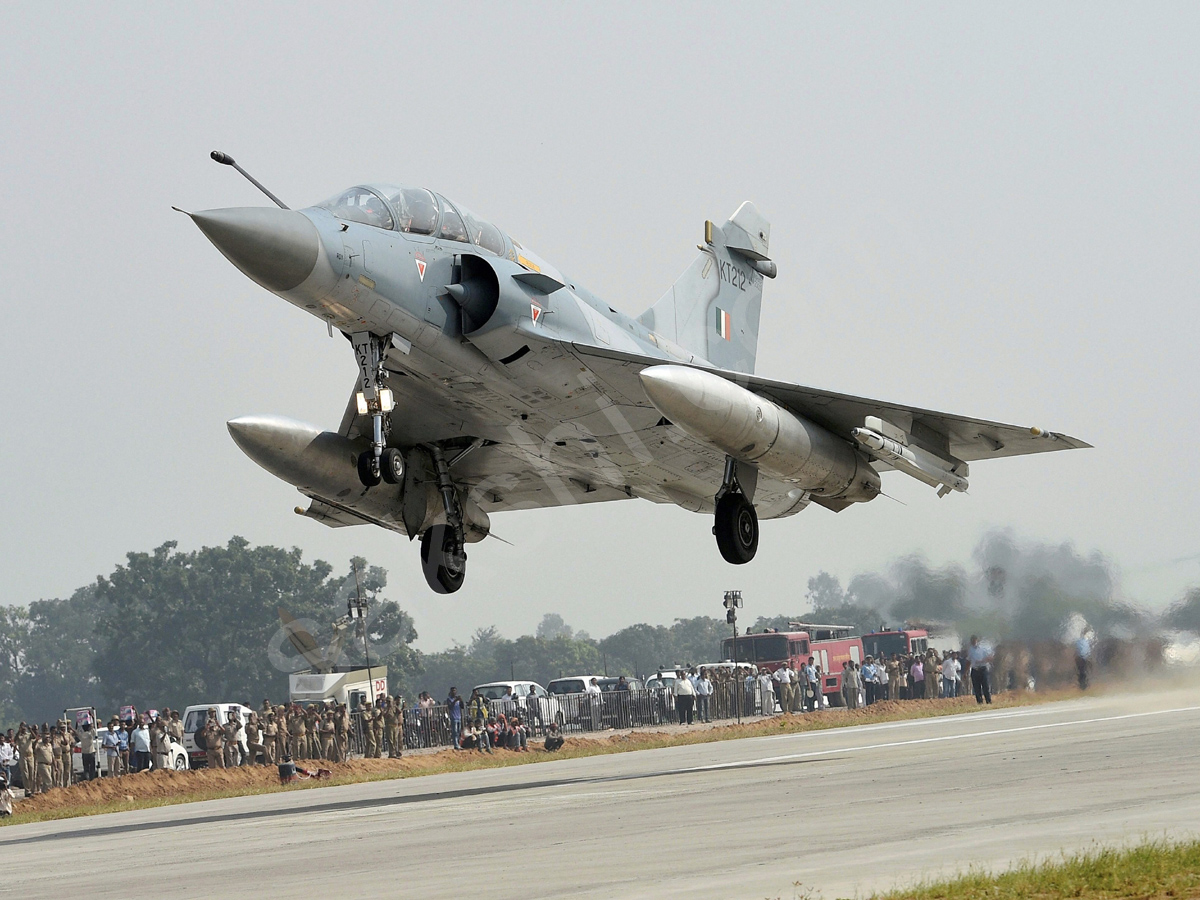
(443, 547)
(736, 522)
(380, 462)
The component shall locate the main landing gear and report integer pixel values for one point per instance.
(443, 547)
(736, 523)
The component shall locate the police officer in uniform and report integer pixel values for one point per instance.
(370, 748)
(25, 742)
(44, 756)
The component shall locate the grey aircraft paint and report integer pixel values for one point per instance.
(516, 388)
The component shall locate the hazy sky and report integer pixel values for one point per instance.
(988, 210)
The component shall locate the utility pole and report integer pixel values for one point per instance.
(359, 611)
(733, 602)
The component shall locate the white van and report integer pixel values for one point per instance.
(195, 718)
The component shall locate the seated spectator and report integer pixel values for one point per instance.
(469, 739)
(6, 798)
(554, 738)
(518, 736)
(483, 740)
(493, 732)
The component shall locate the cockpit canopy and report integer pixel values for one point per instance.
(416, 211)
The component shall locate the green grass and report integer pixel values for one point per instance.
(1159, 869)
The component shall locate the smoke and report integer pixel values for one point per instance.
(1013, 589)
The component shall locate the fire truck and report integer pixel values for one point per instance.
(830, 646)
(902, 641)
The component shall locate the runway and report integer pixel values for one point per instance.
(842, 812)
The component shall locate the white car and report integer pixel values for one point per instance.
(499, 702)
(177, 756)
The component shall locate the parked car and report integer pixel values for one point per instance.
(177, 756)
(194, 719)
(495, 693)
(580, 700)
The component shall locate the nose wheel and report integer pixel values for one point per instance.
(375, 398)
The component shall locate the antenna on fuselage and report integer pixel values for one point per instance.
(226, 160)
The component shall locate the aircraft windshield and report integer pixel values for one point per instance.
(416, 209)
(360, 205)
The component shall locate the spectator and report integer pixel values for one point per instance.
(6, 799)
(869, 682)
(454, 707)
(8, 758)
(533, 708)
(812, 678)
(24, 743)
(477, 706)
(518, 736)
(85, 737)
(554, 739)
(685, 698)
(766, 690)
(140, 746)
(979, 657)
(883, 680)
(851, 684)
(704, 690)
(1083, 657)
(916, 673)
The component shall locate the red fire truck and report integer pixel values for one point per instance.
(829, 645)
(902, 641)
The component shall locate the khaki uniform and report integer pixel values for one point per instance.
(214, 744)
(44, 756)
(370, 748)
(327, 739)
(299, 736)
(25, 743)
(391, 726)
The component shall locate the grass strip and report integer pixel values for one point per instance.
(1153, 871)
(154, 789)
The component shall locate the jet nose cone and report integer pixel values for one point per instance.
(275, 247)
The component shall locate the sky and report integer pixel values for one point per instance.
(990, 210)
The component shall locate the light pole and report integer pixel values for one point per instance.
(733, 602)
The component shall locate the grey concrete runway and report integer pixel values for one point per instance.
(842, 811)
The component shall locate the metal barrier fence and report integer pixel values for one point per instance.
(574, 714)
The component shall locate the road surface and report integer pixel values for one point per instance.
(841, 812)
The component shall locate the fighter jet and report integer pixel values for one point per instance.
(489, 380)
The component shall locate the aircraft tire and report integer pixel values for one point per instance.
(365, 475)
(442, 563)
(736, 528)
(391, 466)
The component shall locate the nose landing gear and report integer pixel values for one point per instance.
(736, 523)
(380, 462)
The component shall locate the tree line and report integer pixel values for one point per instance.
(170, 628)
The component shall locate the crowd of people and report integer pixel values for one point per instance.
(799, 688)
(278, 733)
(44, 757)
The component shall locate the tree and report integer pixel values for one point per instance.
(825, 591)
(1185, 614)
(552, 626)
(196, 627)
(59, 649)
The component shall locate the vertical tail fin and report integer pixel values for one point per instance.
(713, 309)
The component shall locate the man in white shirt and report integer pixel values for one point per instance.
(704, 690)
(950, 674)
(766, 692)
(685, 699)
(979, 655)
(783, 675)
